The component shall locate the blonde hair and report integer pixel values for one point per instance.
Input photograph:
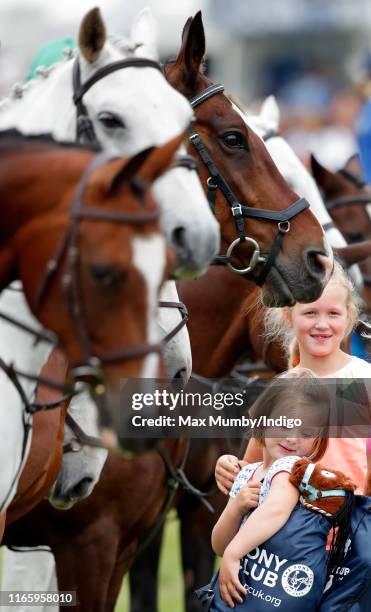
(301, 392)
(277, 325)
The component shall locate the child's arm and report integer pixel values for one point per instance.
(229, 521)
(228, 466)
(259, 527)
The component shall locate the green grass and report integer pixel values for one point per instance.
(171, 580)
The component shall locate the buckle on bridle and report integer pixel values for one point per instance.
(91, 373)
(237, 210)
(284, 227)
(210, 183)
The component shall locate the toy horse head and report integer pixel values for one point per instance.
(321, 490)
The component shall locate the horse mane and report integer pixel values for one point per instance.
(19, 89)
(13, 138)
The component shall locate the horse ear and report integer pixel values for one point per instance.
(92, 35)
(192, 50)
(186, 27)
(128, 171)
(146, 166)
(144, 34)
(160, 158)
(271, 112)
(323, 177)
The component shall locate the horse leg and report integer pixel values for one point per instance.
(197, 555)
(87, 570)
(29, 571)
(143, 577)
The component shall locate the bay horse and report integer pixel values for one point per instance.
(39, 214)
(222, 139)
(348, 200)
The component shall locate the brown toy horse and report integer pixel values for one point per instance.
(321, 490)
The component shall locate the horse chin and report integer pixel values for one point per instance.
(187, 273)
(287, 285)
(61, 504)
(276, 292)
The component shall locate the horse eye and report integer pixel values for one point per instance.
(105, 275)
(110, 120)
(234, 140)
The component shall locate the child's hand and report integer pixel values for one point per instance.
(248, 496)
(226, 470)
(230, 586)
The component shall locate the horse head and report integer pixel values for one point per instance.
(91, 270)
(245, 176)
(348, 201)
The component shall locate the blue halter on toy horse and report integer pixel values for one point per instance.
(290, 570)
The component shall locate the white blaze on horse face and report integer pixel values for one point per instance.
(149, 257)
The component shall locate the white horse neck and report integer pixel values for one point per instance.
(18, 346)
(298, 177)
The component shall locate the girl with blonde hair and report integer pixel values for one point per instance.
(312, 335)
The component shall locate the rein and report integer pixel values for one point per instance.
(239, 211)
(349, 201)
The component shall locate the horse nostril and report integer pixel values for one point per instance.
(81, 489)
(178, 240)
(180, 373)
(317, 263)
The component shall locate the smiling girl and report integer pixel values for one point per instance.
(312, 335)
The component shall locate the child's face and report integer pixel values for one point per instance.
(320, 326)
(284, 447)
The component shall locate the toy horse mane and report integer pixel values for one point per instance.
(331, 494)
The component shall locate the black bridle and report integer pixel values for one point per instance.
(362, 198)
(85, 132)
(239, 211)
